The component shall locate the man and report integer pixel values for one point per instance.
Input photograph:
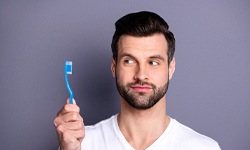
(143, 63)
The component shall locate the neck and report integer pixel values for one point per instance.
(141, 128)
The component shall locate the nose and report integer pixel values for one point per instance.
(141, 73)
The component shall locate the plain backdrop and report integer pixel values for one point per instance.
(210, 90)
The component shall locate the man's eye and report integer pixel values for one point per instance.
(128, 61)
(154, 63)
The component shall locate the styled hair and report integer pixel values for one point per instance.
(141, 24)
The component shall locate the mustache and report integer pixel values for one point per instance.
(142, 83)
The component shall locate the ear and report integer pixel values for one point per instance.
(112, 67)
(171, 68)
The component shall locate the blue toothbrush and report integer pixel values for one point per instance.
(68, 70)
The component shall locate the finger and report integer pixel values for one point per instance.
(79, 134)
(68, 108)
(69, 117)
(70, 135)
(74, 126)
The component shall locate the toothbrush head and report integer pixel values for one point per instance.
(68, 67)
(68, 70)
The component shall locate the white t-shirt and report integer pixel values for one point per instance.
(106, 135)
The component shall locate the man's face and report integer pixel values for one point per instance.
(141, 70)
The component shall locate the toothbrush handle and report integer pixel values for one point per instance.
(69, 89)
(71, 98)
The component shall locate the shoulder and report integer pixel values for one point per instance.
(190, 139)
(95, 134)
(105, 125)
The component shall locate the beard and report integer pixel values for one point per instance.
(141, 100)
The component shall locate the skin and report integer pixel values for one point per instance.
(69, 127)
(139, 59)
(144, 59)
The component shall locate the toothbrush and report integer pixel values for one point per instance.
(68, 70)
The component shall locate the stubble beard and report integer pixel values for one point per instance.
(141, 100)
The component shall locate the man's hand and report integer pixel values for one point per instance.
(69, 127)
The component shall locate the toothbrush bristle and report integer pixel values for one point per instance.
(68, 67)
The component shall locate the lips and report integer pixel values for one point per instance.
(141, 88)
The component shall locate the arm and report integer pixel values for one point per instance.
(69, 127)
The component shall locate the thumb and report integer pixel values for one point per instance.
(68, 101)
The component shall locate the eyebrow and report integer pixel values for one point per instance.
(126, 54)
(157, 57)
(152, 57)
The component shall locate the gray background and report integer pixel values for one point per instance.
(209, 91)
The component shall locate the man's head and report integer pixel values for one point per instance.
(143, 62)
(143, 24)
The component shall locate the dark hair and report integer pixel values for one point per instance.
(141, 24)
